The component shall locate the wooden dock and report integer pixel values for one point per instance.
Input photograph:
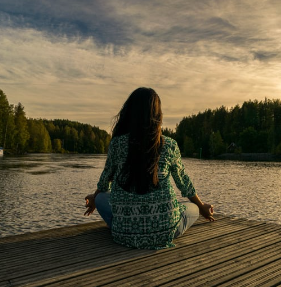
(228, 252)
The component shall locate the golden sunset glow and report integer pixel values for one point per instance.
(79, 60)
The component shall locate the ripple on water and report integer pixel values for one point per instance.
(36, 195)
(248, 190)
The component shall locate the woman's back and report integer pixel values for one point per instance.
(146, 220)
(141, 206)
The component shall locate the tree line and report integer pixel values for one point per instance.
(19, 134)
(254, 127)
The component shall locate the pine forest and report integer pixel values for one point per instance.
(254, 127)
(19, 134)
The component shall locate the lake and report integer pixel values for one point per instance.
(43, 191)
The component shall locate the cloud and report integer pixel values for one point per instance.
(81, 19)
(81, 59)
(265, 56)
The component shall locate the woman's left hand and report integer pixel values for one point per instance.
(207, 210)
(90, 203)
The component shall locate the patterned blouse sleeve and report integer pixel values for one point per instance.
(179, 175)
(106, 177)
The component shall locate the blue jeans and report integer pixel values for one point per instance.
(103, 207)
(188, 217)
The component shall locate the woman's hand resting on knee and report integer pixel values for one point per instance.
(205, 209)
(90, 203)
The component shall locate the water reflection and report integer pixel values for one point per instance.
(38, 194)
(243, 189)
(46, 191)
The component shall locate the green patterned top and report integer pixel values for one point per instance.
(146, 221)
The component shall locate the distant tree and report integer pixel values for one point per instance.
(66, 137)
(216, 144)
(90, 141)
(278, 149)
(51, 128)
(78, 137)
(100, 147)
(188, 146)
(21, 129)
(107, 142)
(187, 127)
(233, 125)
(73, 139)
(57, 145)
(253, 127)
(80, 143)
(7, 124)
(250, 113)
(39, 137)
(276, 107)
(169, 133)
(261, 144)
(20, 134)
(220, 121)
(248, 139)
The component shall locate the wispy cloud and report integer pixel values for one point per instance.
(81, 59)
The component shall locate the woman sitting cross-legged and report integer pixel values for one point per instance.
(134, 194)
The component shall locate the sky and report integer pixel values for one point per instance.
(81, 59)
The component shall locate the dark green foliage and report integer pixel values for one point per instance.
(188, 146)
(169, 133)
(248, 139)
(255, 128)
(20, 135)
(216, 144)
(21, 130)
(7, 122)
(77, 137)
(39, 140)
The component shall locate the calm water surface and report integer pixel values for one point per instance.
(46, 191)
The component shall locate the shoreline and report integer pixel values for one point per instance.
(259, 157)
(266, 157)
(250, 157)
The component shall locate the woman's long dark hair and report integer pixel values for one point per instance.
(141, 118)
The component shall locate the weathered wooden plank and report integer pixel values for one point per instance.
(68, 256)
(54, 232)
(172, 270)
(62, 257)
(56, 246)
(268, 275)
(122, 270)
(228, 269)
